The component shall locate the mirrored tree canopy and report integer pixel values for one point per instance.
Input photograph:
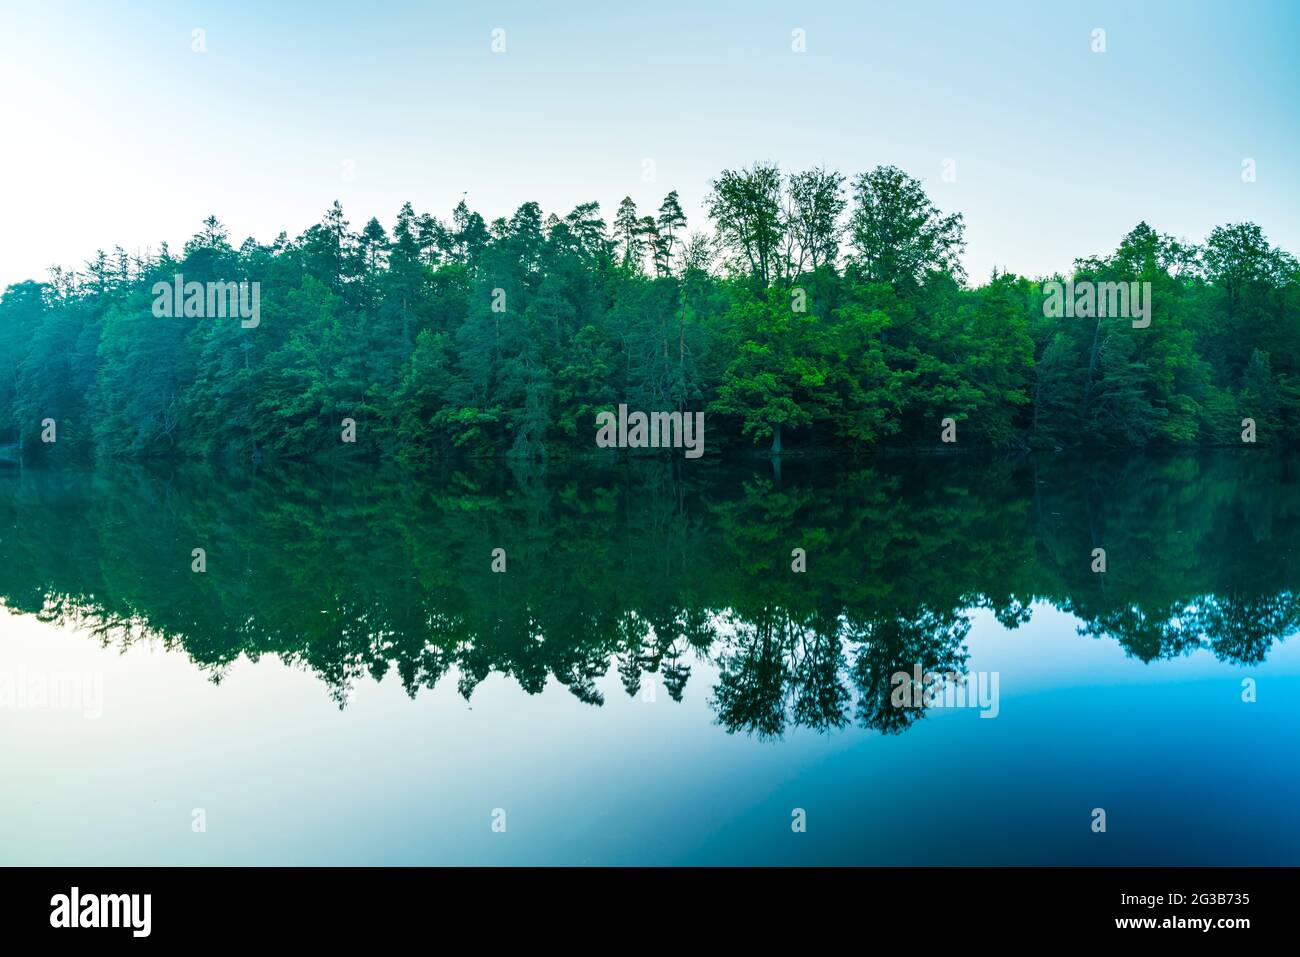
(647, 568)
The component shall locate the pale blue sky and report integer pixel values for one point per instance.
(115, 132)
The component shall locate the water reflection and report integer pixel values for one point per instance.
(651, 566)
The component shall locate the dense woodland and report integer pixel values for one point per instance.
(811, 312)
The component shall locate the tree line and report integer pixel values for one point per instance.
(812, 311)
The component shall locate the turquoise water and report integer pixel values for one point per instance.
(349, 682)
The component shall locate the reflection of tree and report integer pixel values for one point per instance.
(645, 569)
(816, 676)
(931, 640)
(1243, 629)
(777, 671)
(751, 691)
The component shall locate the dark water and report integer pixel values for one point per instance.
(649, 681)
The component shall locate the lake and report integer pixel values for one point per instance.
(654, 661)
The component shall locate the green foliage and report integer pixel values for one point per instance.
(507, 338)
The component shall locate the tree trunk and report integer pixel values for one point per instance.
(776, 439)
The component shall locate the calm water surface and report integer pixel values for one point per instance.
(349, 682)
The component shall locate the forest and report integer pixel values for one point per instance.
(812, 312)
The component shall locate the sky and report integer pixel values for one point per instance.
(114, 131)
